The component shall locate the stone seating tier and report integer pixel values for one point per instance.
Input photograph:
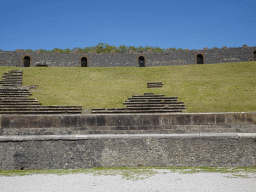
(14, 99)
(147, 103)
(47, 111)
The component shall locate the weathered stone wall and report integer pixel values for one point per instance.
(119, 150)
(128, 124)
(242, 54)
(73, 141)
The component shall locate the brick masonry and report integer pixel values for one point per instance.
(225, 55)
(71, 141)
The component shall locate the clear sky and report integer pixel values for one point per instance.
(192, 24)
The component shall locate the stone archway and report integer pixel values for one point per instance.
(83, 62)
(199, 58)
(141, 61)
(26, 61)
(254, 55)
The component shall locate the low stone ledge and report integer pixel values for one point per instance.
(124, 120)
(122, 136)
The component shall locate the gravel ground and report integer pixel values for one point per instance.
(162, 181)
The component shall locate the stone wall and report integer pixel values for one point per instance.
(219, 150)
(128, 123)
(84, 141)
(242, 54)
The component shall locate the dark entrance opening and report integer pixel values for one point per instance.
(254, 55)
(200, 59)
(141, 61)
(84, 62)
(26, 61)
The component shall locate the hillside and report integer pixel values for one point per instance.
(204, 88)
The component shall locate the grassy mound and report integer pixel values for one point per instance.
(204, 88)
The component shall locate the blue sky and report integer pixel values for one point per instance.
(48, 24)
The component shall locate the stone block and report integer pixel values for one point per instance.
(210, 119)
(251, 117)
(69, 121)
(180, 119)
(16, 121)
(239, 118)
(230, 118)
(244, 46)
(51, 121)
(220, 118)
(125, 120)
(197, 119)
(101, 120)
(164, 120)
(87, 121)
(5, 121)
(150, 120)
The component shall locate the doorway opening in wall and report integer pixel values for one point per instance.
(141, 61)
(26, 61)
(254, 55)
(200, 59)
(83, 62)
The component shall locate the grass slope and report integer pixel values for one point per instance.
(204, 88)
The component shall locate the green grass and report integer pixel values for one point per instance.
(226, 87)
(139, 172)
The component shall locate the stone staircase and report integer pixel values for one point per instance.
(147, 103)
(12, 78)
(15, 99)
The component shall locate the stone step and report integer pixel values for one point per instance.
(153, 103)
(14, 95)
(154, 86)
(12, 76)
(146, 97)
(14, 88)
(155, 83)
(17, 99)
(19, 103)
(149, 100)
(41, 106)
(158, 107)
(10, 81)
(14, 91)
(21, 93)
(42, 112)
(138, 111)
(39, 109)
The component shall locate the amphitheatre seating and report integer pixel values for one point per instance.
(154, 84)
(14, 99)
(12, 78)
(147, 103)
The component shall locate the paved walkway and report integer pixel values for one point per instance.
(165, 180)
